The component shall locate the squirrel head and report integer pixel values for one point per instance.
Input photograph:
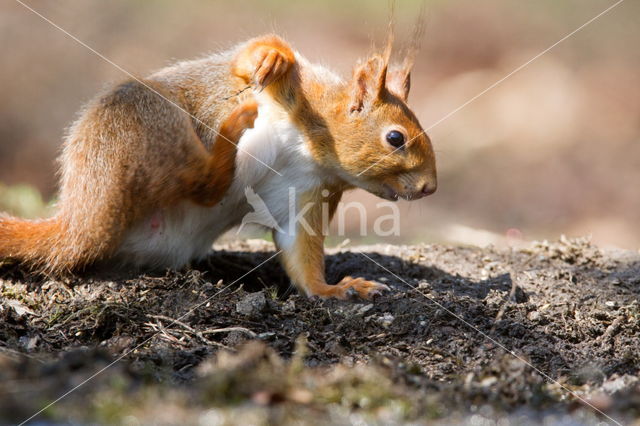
(380, 145)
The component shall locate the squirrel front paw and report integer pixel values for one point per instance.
(349, 288)
(263, 61)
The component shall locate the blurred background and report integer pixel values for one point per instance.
(554, 149)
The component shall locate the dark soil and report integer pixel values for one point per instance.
(548, 333)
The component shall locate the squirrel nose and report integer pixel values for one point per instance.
(429, 188)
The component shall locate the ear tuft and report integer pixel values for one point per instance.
(399, 80)
(372, 79)
(386, 55)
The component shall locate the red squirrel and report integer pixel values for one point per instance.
(147, 180)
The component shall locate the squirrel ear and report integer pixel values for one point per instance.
(369, 80)
(399, 82)
(359, 89)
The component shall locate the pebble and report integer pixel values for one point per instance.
(533, 316)
(289, 305)
(616, 384)
(386, 320)
(488, 381)
(364, 309)
(253, 304)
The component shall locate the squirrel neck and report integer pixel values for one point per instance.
(316, 100)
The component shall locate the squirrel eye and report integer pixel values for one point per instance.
(395, 139)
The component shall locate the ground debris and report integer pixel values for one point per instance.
(464, 332)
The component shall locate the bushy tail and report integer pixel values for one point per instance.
(39, 244)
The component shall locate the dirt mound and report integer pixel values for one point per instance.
(466, 334)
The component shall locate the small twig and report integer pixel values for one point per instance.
(69, 318)
(190, 329)
(174, 321)
(229, 329)
(240, 288)
(158, 328)
(510, 298)
(512, 293)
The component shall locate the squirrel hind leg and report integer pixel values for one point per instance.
(208, 183)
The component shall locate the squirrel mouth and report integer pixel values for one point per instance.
(389, 193)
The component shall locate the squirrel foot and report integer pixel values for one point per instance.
(240, 119)
(349, 288)
(206, 185)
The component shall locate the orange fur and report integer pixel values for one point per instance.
(24, 239)
(105, 192)
(344, 127)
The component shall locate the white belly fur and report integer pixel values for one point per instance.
(187, 231)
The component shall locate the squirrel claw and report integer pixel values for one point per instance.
(263, 61)
(378, 292)
(270, 66)
(351, 293)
